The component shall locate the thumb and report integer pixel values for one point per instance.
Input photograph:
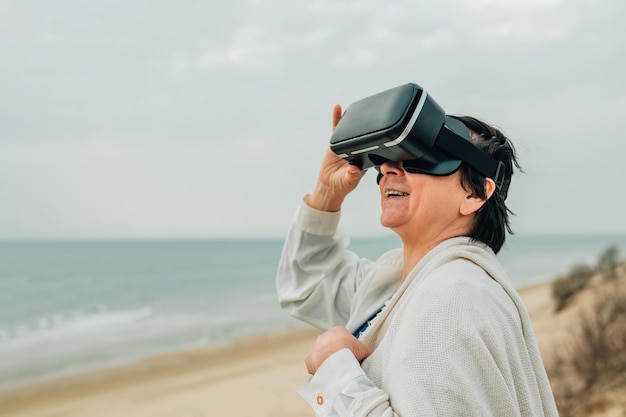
(355, 171)
(336, 115)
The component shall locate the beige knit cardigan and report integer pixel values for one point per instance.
(454, 339)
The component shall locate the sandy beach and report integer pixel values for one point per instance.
(255, 376)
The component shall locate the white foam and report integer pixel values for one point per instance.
(66, 326)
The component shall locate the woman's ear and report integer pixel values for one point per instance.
(472, 203)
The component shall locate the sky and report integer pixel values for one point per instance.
(201, 119)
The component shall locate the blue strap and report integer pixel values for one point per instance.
(358, 332)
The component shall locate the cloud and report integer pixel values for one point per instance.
(186, 118)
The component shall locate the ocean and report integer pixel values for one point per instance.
(71, 306)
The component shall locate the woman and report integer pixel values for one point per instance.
(431, 329)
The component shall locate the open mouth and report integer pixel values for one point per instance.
(395, 193)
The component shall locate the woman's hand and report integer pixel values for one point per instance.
(332, 341)
(336, 178)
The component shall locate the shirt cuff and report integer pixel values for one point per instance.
(336, 385)
(316, 222)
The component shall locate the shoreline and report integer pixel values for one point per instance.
(210, 370)
(256, 375)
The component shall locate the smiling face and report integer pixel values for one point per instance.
(421, 207)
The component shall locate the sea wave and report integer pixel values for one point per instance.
(64, 326)
(76, 341)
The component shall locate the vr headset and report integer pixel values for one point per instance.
(406, 124)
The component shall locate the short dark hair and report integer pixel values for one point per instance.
(492, 219)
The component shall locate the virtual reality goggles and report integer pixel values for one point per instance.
(406, 124)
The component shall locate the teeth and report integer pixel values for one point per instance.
(390, 193)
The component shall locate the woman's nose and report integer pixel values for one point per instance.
(390, 167)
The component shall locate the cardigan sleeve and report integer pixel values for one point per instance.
(317, 276)
(340, 388)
